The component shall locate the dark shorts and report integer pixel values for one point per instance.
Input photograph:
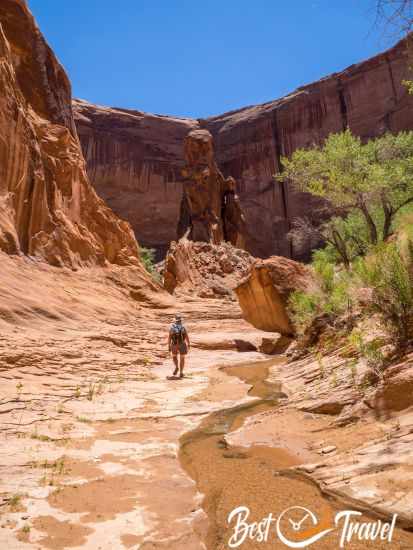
(179, 348)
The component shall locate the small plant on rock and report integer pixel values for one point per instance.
(91, 391)
(14, 501)
(352, 365)
(320, 364)
(19, 388)
(370, 351)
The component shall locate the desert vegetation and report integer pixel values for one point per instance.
(147, 256)
(364, 271)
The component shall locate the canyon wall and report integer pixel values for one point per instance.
(48, 208)
(135, 159)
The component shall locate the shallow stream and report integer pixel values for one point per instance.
(255, 476)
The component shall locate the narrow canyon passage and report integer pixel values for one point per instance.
(274, 433)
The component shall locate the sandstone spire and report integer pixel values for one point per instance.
(210, 210)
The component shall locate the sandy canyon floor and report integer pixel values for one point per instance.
(101, 451)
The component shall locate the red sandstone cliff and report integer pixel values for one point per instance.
(135, 162)
(48, 208)
(134, 159)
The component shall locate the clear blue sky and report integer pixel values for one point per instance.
(203, 57)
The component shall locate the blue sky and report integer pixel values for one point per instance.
(203, 57)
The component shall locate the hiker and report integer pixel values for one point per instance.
(178, 342)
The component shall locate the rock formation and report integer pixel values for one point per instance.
(210, 210)
(264, 293)
(205, 269)
(134, 159)
(48, 208)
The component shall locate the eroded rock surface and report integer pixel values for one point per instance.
(264, 293)
(204, 268)
(90, 425)
(134, 159)
(362, 432)
(48, 208)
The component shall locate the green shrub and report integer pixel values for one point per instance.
(324, 269)
(302, 308)
(338, 301)
(331, 295)
(369, 350)
(387, 270)
(389, 274)
(148, 259)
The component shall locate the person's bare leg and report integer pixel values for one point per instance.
(175, 360)
(181, 365)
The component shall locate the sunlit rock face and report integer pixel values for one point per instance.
(48, 209)
(135, 159)
(263, 294)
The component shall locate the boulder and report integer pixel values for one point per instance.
(396, 391)
(203, 268)
(264, 293)
(274, 345)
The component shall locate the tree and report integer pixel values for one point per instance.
(345, 238)
(147, 256)
(392, 175)
(365, 184)
(397, 15)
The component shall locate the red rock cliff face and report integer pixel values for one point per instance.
(368, 97)
(135, 162)
(48, 208)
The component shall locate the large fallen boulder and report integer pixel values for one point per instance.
(396, 391)
(264, 293)
(205, 269)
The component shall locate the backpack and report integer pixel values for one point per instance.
(177, 333)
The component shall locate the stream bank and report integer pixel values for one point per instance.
(258, 476)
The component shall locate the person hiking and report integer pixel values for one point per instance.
(178, 342)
